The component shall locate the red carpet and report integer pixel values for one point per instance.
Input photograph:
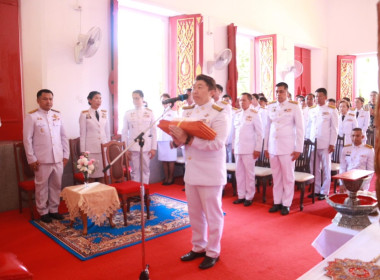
(255, 245)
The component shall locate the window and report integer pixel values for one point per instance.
(244, 61)
(142, 58)
(367, 80)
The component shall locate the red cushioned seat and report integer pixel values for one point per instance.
(128, 187)
(27, 185)
(79, 177)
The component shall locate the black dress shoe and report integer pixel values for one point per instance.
(208, 262)
(313, 194)
(192, 256)
(284, 210)
(275, 208)
(170, 182)
(238, 201)
(321, 197)
(46, 219)
(56, 216)
(247, 202)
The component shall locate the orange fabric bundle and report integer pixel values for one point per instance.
(194, 128)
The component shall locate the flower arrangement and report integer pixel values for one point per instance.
(85, 165)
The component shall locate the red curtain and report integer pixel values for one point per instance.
(11, 100)
(113, 77)
(185, 52)
(232, 67)
(345, 86)
(302, 84)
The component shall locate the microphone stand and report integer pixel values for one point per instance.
(144, 275)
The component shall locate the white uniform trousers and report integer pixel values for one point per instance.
(324, 159)
(229, 155)
(48, 181)
(282, 167)
(206, 215)
(135, 166)
(245, 176)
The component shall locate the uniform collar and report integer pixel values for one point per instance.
(43, 111)
(206, 105)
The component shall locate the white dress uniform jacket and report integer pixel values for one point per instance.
(135, 122)
(263, 112)
(44, 137)
(363, 119)
(323, 121)
(93, 132)
(357, 157)
(346, 126)
(247, 135)
(284, 129)
(205, 159)
(165, 153)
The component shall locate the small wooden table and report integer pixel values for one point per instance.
(97, 201)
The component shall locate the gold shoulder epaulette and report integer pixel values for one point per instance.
(314, 106)
(233, 108)
(148, 109)
(274, 101)
(332, 107)
(348, 145)
(262, 107)
(216, 107)
(352, 109)
(188, 107)
(85, 111)
(103, 110)
(225, 102)
(366, 109)
(253, 110)
(293, 102)
(352, 114)
(33, 111)
(368, 146)
(55, 111)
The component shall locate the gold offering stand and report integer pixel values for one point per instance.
(353, 211)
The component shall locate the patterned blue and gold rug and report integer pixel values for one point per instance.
(167, 215)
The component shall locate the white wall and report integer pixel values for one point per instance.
(49, 32)
(50, 29)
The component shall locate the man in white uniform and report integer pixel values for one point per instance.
(47, 152)
(205, 173)
(362, 116)
(247, 143)
(261, 110)
(346, 122)
(357, 155)
(136, 121)
(310, 103)
(283, 144)
(323, 121)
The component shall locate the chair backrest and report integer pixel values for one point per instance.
(262, 160)
(302, 164)
(74, 153)
(371, 136)
(335, 157)
(116, 137)
(23, 170)
(110, 151)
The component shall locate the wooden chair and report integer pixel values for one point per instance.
(78, 177)
(231, 169)
(371, 136)
(25, 178)
(335, 159)
(302, 174)
(116, 137)
(127, 190)
(263, 172)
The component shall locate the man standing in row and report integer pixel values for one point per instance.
(205, 173)
(283, 144)
(323, 121)
(136, 121)
(247, 141)
(47, 152)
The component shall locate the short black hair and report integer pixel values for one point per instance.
(282, 84)
(91, 95)
(139, 92)
(219, 87)
(357, 129)
(255, 95)
(227, 96)
(165, 95)
(331, 100)
(301, 96)
(263, 98)
(323, 90)
(311, 94)
(210, 82)
(247, 94)
(360, 98)
(41, 91)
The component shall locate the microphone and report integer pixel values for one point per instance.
(180, 97)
